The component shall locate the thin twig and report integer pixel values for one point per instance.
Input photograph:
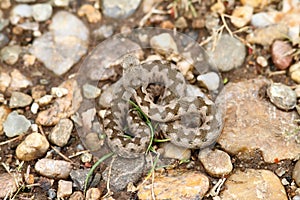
(11, 140)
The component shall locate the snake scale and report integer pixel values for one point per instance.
(188, 121)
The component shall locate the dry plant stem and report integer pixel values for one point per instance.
(276, 73)
(109, 193)
(11, 140)
(78, 153)
(148, 15)
(57, 151)
(152, 181)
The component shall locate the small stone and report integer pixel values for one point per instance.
(61, 133)
(86, 157)
(282, 96)
(41, 12)
(296, 173)
(266, 35)
(78, 177)
(57, 169)
(119, 9)
(5, 4)
(181, 23)
(163, 44)
(261, 19)
(18, 81)
(184, 66)
(218, 7)
(34, 146)
(210, 80)
(3, 39)
(5, 80)
(77, 195)
(15, 124)
(45, 100)
(34, 108)
(10, 54)
(20, 11)
(295, 72)
(59, 92)
(38, 91)
(29, 60)
(105, 31)
(253, 184)
(217, 163)
(8, 185)
(92, 14)
(107, 96)
(61, 3)
(255, 3)
(182, 185)
(19, 99)
(172, 151)
(262, 61)
(4, 111)
(90, 91)
(241, 16)
(64, 189)
(93, 194)
(229, 53)
(281, 54)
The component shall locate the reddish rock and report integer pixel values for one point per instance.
(281, 54)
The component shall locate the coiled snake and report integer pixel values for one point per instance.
(189, 121)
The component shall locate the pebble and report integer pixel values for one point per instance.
(296, 173)
(163, 44)
(41, 12)
(281, 54)
(182, 185)
(93, 194)
(210, 80)
(261, 19)
(5, 80)
(19, 99)
(57, 169)
(20, 11)
(282, 96)
(3, 39)
(37, 91)
(51, 193)
(78, 177)
(124, 171)
(77, 195)
(18, 80)
(86, 157)
(183, 66)
(253, 184)
(4, 111)
(66, 34)
(119, 9)
(229, 53)
(172, 151)
(8, 185)
(10, 54)
(61, 3)
(45, 100)
(181, 23)
(59, 91)
(90, 91)
(69, 104)
(105, 31)
(217, 163)
(255, 123)
(15, 124)
(92, 14)
(29, 60)
(34, 108)
(64, 189)
(295, 72)
(266, 35)
(262, 61)
(34, 146)
(255, 3)
(5, 4)
(167, 24)
(61, 132)
(241, 16)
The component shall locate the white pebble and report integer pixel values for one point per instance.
(59, 92)
(34, 127)
(34, 108)
(44, 100)
(262, 61)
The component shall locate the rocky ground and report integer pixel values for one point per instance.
(255, 46)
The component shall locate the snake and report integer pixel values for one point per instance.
(186, 120)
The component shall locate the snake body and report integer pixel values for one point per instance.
(189, 121)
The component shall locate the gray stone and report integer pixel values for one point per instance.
(3, 39)
(65, 43)
(18, 80)
(211, 80)
(78, 177)
(90, 91)
(124, 171)
(107, 95)
(41, 12)
(20, 11)
(282, 96)
(119, 9)
(163, 44)
(172, 151)
(10, 54)
(103, 32)
(15, 124)
(19, 99)
(61, 133)
(229, 53)
(58, 169)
